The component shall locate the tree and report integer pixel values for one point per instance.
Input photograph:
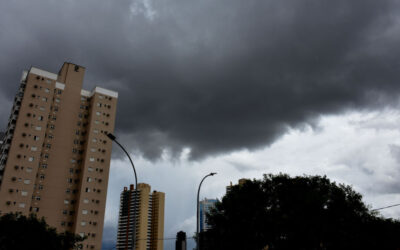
(22, 232)
(311, 212)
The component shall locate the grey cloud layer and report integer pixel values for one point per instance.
(214, 76)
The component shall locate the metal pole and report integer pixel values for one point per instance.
(113, 138)
(198, 211)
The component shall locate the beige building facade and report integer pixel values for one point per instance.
(141, 219)
(55, 156)
(241, 182)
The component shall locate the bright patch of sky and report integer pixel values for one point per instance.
(361, 149)
(143, 7)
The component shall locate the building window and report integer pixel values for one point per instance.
(37, 198)
(50, 136)
(48, 145)
(41, 176)
(91, 159)
(52, 126)
(87, 190)
(84, 211)
(33, 148)
(24, 193)
(27, 181)
(36, 138)
(57, 99)
(44, 165)
(86, 201)
(29, 169)
(40, 187)
(41, 108)
(98, 113)
(38, 128)
(47, 90)
(95, 131)
(69, 180)
(66, 201)
(89, 179)
(90, 169)
(94, 140)
(83, 223)
(21, 205)
(31, 158)
(44, 99)
(93, 150)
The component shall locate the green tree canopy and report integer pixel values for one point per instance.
(311, 212)
(18, 232)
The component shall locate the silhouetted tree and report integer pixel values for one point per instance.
(280, 212)
(18, 232)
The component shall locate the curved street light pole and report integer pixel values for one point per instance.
(198, 210)
(113, 138)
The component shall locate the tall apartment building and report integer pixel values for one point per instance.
(55, 157)
(205, 206)
(145, 226)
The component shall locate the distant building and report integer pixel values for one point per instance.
(240, 183)
(55, 156)
(144, 227)
(180, 243)
(205, 206)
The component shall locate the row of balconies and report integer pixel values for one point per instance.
(123, 217)
(122, 231)
(126, 224)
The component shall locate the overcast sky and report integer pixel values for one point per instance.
(238, 87)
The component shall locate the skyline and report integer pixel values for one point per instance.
(299, 87)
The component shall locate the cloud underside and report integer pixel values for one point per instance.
(212, 76)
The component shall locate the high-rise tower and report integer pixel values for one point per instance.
(55, 157)
(141, 219)
(205, 207)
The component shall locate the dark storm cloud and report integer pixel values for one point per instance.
(213, 76)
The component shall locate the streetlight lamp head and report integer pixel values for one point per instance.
(213, 174)
(111, 136)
